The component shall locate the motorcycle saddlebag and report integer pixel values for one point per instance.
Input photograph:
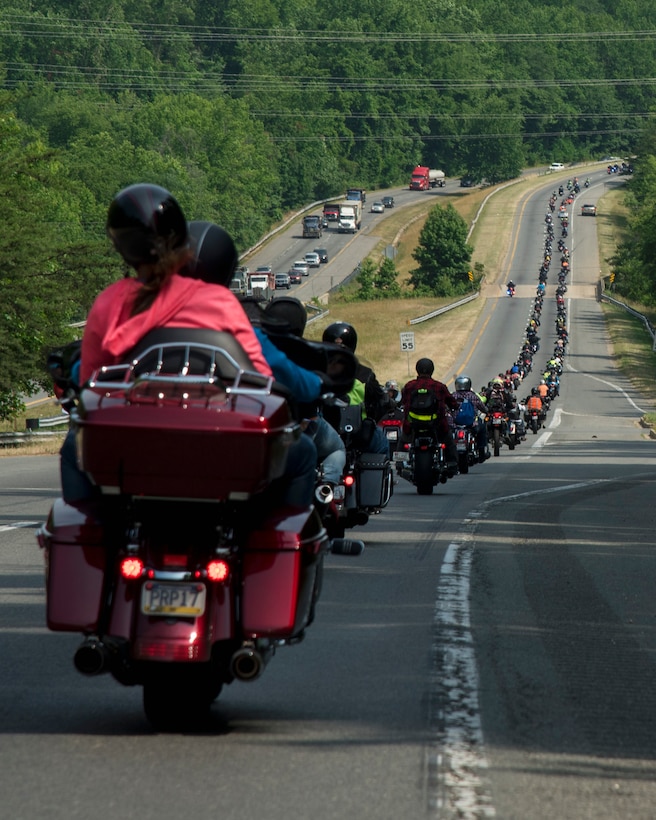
(281, 562)
(75, 557)
(374, 480)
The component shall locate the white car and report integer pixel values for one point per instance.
(300, 266)
(377, 208)
(312, 259)
(556, 166)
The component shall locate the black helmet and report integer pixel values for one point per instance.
(215, 256)
(342, 331)
(144, 222)
(285, 314)
(425, 367)
(463, 383)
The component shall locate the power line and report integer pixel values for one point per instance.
(140, 79)
(29, 26)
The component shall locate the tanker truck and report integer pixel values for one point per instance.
(424, 178)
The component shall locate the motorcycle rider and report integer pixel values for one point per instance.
(534, 403)
(392, 390)
(445, 402)
(215, 259)
(367, 392)
(287, 315)
(497, 397)
(148, 228)
(463, 392)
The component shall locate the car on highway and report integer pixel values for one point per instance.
(323, 255)
(264, 269)
(295, 278)
(300, 266)
(283, 281)
(377, 208)
(467, 182)
(312, 259)
(388, 201)
(588, 210)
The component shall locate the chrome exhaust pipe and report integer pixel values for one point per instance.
(92, 657)
(324, 493)
(247, 664)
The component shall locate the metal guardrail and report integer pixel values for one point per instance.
(648, 325)
(444, 309)
(35, 431)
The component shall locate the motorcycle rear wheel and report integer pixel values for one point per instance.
(496, 437)
(175, 700)
(423, 464)
(463, 463)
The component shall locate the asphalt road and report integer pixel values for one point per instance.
(490, 654)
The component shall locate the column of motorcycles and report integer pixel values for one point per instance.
(423, 462)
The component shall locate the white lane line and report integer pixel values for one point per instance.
(457, 762)
(17, 524)
(608, 384)
(457, 786)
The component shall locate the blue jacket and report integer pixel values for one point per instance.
(304, 384)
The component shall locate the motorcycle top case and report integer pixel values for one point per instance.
(198, 441)
(75, 557)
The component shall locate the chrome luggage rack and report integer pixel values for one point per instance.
(197, 366)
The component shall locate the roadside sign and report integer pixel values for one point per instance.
(407, 341)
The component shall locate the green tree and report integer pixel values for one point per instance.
(366, 281)
(386, 283)
(49, 270)
(443, 254)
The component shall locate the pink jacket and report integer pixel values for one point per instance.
(111, 332)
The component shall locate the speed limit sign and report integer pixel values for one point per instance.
(407, 341)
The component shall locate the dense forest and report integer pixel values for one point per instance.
(246, 109)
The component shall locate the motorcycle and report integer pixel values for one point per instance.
(534, 420)
(466, 447)
(368, 479)
(184, 572)
(392, 424)
(510, 292)
(423, 462)
(497, 429)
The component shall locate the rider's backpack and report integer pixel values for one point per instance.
(466, 413)
(423, 402)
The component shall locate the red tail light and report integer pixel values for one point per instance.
(460, 434)
(131, 568)
(349, 481)
(218, 571)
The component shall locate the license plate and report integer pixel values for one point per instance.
(392, 435)
(400, 456)
(182, 600)
(461, 447)
(496, 422)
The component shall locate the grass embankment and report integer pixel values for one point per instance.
(630, 340)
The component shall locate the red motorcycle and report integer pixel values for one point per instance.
(392, 425)
(184, 573)
(497, 422)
